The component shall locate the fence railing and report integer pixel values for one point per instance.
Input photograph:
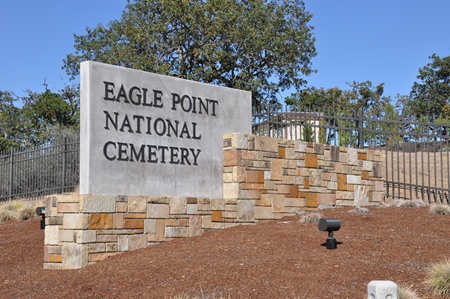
(416, 154)
(36, 172)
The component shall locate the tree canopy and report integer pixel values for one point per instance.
(41, 117)
(263, 46)
(431, 95)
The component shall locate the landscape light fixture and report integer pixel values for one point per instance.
(330, 225)
(40, 211)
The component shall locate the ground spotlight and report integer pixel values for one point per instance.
(330, 225)
(40, 211)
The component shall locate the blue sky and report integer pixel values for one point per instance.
(381, 41)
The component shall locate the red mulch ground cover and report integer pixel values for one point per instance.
(277, 259)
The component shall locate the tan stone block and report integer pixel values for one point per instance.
(137, 242)
(231, 190)
(158, 200)
(283, 189)
(311, 161)
(52, 266)
(326, 176)
(54, 258)
(121, 207)
(232, 158)
(276, 169)
(206, 222)
(252, 186)
(97, 247)
(118, 220)
(158, 211)
(133, 223)
(263, 213)
(266, 200)
(160, 229)
(217, 204)
(85, 236)
(326, 199)
(98, 203)
(192, 209)
(306, 183)
(365, 175)
(176, 232)
(289, 179)
(228, 178)
(177, 222)
(267, 144)
(245, 211)
(101, 221)
(51, 235)
(216, 216)
(137, 204)
(282, 152)
(195, 226)
(96, 257)
(250, 194)
(342, 181)
(68, 198)
(345, 195)
(278, 204)
(362, 156)
(69, 207)
(111, 247)
(229, 215)
(75, 221)
(178, 205)
(312, 200)
(74, 256)
(294, 202)
(135, 215)
(293, 191)
(255, 176)
(106, 238)
(315, 177)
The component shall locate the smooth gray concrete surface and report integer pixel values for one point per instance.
(148, 134)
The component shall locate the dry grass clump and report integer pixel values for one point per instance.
(406, 292)
(359, 210)
(19, 209)
(438, 278)
(310, 218)
(440, 209)
(401, 203)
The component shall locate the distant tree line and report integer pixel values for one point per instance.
(263, 46)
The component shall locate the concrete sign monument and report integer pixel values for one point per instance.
(148, 134)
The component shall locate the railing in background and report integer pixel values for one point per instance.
(46, 169)
(416, 153)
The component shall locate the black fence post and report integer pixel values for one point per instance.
(11, 174)
(361, 128)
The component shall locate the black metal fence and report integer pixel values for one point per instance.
(36, 172)
(415, 153)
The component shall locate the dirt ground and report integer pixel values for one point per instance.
(277, 259)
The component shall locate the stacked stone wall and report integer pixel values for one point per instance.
(264, 179)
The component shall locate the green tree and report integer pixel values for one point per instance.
(431, 95)
(345, 107)
(10, 127)
(48, 115)
(264, 46)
